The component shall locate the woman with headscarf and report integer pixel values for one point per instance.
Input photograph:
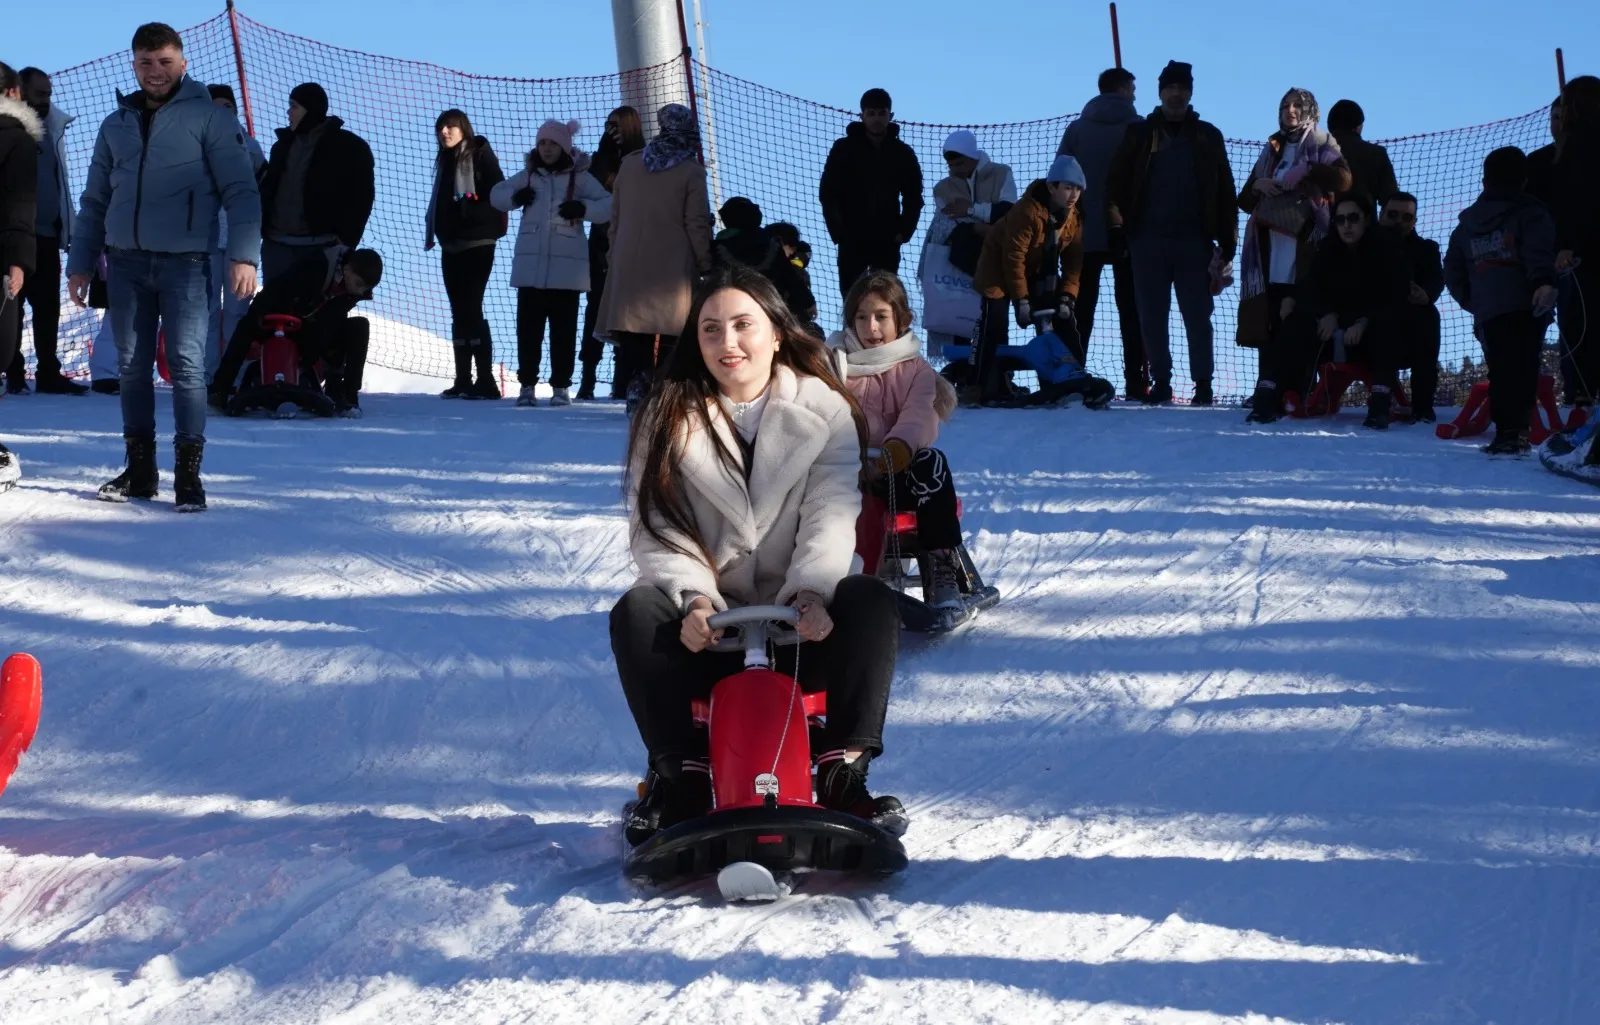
(623, 135)
(1288, 196)
(661, 242)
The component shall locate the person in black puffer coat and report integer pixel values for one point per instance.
(319, 185)
(20, 131)
(1353, 296)
(1575, 204)
(743, 241)
(467, 228)
(871, 192)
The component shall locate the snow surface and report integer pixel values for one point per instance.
(1286, 726)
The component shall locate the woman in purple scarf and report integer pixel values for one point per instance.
(1287, 196)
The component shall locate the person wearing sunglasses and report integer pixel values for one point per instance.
(1348, 306)
(1419, 320)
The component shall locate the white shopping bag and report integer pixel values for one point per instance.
(949, 303)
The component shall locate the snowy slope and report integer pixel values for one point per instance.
(1288, 726)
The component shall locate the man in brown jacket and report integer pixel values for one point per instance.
(1170, 203)
(1032, 260)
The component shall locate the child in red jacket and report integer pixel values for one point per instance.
(904, 402)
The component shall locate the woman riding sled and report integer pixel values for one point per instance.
(744, 477)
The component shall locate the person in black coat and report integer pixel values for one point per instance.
(318, 187)
(321, 289)
(20, 131)
(1371, 171)
(623, 134)
(1575, 205)
(1419, 325)
(744, 242)
(467, 228)
(1348, 308)
(871, 192)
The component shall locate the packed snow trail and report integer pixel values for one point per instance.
(1292, 726)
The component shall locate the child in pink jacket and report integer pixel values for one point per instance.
(904, 402)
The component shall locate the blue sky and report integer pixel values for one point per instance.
(1414, 66)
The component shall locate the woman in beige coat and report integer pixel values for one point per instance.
(660, 243)
(745, 467)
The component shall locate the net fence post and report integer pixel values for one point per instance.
(238, 61)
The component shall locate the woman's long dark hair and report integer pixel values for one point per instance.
(681, 399)
(1581, 105)
(456, 119)
(609, 153)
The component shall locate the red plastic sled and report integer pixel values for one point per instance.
(20, 693)
(1333, 380)
(1474, 418)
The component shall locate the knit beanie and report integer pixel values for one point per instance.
(1067, 169)
(1177, 73)
(963, 142)
(311, 96)
(741, 213)
(558, 133)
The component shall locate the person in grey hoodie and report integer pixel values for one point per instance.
(1501, 268)
(1093, 139)
(165, 162)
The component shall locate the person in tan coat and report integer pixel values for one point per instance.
(1032, 258)
(745, 470)
(660, 243)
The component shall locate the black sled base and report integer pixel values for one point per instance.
(782, 839)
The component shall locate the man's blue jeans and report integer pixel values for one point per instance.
(166, 295)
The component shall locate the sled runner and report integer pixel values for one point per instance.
(273, 376)
(19, 711)
(766, 824)
(1327, 394)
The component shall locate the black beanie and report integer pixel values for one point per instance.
(1176, 73)
(311, 96)
(368, 265)
(741, 213)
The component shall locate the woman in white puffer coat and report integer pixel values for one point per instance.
(550, 269)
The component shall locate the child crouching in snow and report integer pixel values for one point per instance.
(904, 402)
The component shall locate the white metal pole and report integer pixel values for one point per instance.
(707, 108)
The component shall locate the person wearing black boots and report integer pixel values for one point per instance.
(623, 134)
(1351, 299)
(1501, 268)
(20, 129)
(1419, 321)
(466, 227)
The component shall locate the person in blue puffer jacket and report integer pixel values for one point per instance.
(166, 161)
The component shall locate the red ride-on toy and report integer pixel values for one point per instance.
(766, 824)
(19, 711)
(273, 377)
(886, 541)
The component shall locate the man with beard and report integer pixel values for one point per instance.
(165, 162)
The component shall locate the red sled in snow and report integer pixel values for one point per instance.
(766, 823)
(1327, 395)
(273, 377)
(1474, 418)
(20, 693)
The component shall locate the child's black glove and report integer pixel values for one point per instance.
(571, 210)
(523, 196)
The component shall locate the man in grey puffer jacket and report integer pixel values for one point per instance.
(165, 162)
(1093, 139)
(1501, 268)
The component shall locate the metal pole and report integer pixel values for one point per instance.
(705, 99)
(1561, 71)
(648, 36)
(688, 76)
(1116, 37)
(238, 62)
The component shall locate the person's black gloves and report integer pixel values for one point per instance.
(572, 210)
(1117, 242)
(1068, 309)
(523, 196)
